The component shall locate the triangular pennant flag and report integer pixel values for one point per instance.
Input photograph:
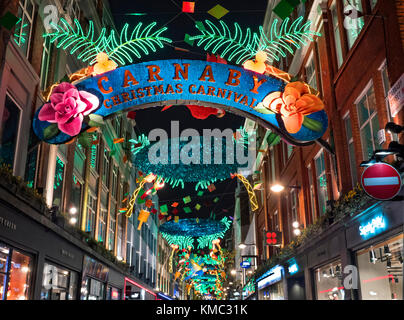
(199, 25)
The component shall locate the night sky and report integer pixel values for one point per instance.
(168, 13)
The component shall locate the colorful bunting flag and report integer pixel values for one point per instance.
(187, 199)
(200, 193)
(188, 40)
(188, 6)
(176, 219)
(218, 11)
(175, 204)
(211, 188)
(175, 211)
(216, 200)
(283, 9)
(198, 206)
(187, 210)
(164, 208)
(149, 203)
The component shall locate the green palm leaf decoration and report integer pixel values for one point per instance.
(123, 48)
(285, 39)
(69, 38)
(236, 46)
(242, 47)
(120, 50)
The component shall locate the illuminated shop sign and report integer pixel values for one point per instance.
(270, 277)
(372, 227)
(249, 289)
(245, 264)
(293, 268)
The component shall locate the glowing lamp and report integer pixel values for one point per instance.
(277, 188)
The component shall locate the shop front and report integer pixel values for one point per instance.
(375, 239)
(94, 280)
(249, 291)
(295, 279)
(137, 291)
(270, 285)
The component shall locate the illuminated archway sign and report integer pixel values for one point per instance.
(187, 82)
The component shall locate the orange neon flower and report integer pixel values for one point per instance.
(103, 64)
(258, 65)
(293, 104)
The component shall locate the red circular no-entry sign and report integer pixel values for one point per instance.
(381, 181)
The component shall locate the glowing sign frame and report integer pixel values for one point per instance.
(191, 82)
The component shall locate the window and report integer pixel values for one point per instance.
(328, 282)
(9, 129)
(45, 64)
(23, 29)
(72, 8)
(311, 73)
(32, 159)
(373, 3)
(117, 125)
(105, 170)
(351, 149)
(353, 25)
(15, 274)
(381, 270)
(272, 159)
(114, 180)
(368, 122)
(322, 196)
(276, 221)
(58, 283)
(94, 152)
(91, 210)
(293, 205)
(312, 196)
(58, 182)
(337, 34)
(102, 224)
(111, 230)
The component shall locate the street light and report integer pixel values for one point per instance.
(242, 246)
(233, 272)
(279, 188)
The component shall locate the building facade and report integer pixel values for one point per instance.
(64, 224)
(353, 65)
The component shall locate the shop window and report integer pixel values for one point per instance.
(113, 293)
(337, 34)
(322, 195)
(58, 283)
(58, 182)
(9, 129)
(15, 274)
(79, 161)
(368, 123)
(114, 186)
(92, 289)
(353, 24)
(328, 282)
(311, 73)
(351, 150)
(381, 270)
(23, 29)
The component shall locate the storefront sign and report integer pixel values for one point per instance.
(293, 268)
(396, 96)
(249, 289)
(270, 277)
(66, 253)
(246, 264)
(186, 82)
(373, 227)
(8, 224)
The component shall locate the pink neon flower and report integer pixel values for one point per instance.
(67, 108)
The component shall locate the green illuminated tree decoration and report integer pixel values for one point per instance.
(119, 48)
(242, 47)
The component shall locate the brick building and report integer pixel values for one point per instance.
(353, 65)
(83, 186)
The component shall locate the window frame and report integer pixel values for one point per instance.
(30, 19)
